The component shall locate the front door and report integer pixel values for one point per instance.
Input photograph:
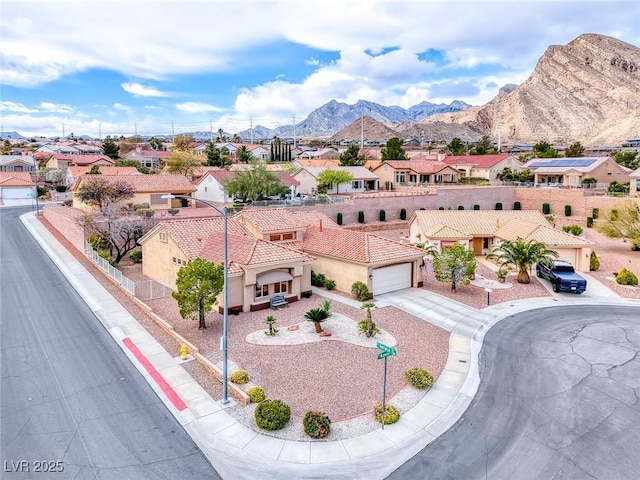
(477, 245)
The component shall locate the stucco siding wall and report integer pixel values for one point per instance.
(343, 273)
(157, 260)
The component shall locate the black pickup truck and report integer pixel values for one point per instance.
(562, 276)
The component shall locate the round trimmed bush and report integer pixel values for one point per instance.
(360, 216)
(499, 206)
(339, 218)
(392, 414)
(256, 394)
(382, 215)
(546, 209)
(403, 214)
(517, 206)
(594, 262)
(240, 377)
(272, 414)
(360, 291)
(419, 377)
(316, 424)
(476, 207)
(626, 277)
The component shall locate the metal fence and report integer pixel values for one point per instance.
(142, 290)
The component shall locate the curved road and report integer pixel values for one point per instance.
(68, 395)
(558, 398)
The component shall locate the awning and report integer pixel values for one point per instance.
(273, 277)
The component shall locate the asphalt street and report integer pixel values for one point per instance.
(558, 398)
(72, 404)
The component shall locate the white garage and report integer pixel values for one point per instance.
(8, 193)
(392, 278)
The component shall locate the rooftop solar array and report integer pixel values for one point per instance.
(564, 162)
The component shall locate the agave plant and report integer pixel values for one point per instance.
(317, 316)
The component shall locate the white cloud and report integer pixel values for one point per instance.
(196, 107)
(15, 107)
(56, 107)
(142, 91)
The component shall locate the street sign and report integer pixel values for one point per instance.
(31, 195)
(383, 355)
(386, 350)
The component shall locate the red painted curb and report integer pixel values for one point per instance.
(171, 394)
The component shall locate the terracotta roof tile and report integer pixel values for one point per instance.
(269, 220)
(77, 171)
(425, 167)
(479, 161)
(149, 183)
(546, 234)
(475, 222)
(16, 179)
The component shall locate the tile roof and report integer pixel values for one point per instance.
(445, 232)
(82, 159)
(479, 161)
(518, 228)
(148, 183)
(475, 222)
(270, 220)
(76, 171)
(359, 173)
(9, 159)
(355, 246)
(16, 179)
(424, 167)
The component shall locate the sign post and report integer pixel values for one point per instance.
(386, 352)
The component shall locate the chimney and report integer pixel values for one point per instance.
(320, 224)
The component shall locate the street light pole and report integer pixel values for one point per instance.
(225, 310)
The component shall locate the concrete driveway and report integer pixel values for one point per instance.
(595, 290)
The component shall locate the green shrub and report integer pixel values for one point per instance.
(318, 279)
(272, 414)
(141, 206)
(329, 284)
(635, 244)
(498, 206)
(173, 211)
(382, 215)
(41, 191)
(136, 256)
(368, 329)
(567, 210)
(460, 207)
(595, 213)
(392, 414)
(339, 218)
(306, 294)
(439, 208)
(360, 216)
(403, 214)
(256, 394)
(594, 262)
(61, 188)
(422, 208)
(476, 207)
(316, 424)
(98, 241)
(104, 254)
(388, 185)
(147, 212)
(419, 377)
(573, 229)
(626, 277)
(240, 377)
(517, 206)
(360, 291)
(546, 209)
(589, 222)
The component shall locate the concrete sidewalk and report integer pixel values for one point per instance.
(238, 452)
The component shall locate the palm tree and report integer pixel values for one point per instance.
(522, 254)
(317, 315)
(370, 329)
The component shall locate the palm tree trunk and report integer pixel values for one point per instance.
(523, 275)
(318, 327)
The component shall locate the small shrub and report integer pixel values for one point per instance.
(392, 414)
(316, 424)
(326, 305)
(460, 207)
(517, 206)
(97, 241)
(318, 279)
(360, 216)
(635, 244)
(339, 218)
(419, 377)
(104, 254)
(272, 414)
(595, 213)
(240, 377)
(594, 262)
(382, 215)
(551, 219)
(546, 209)
(271, 321)
(61, 188)
(626, 277)
(368, 329)
(147, 212)
(173, 211)
(572, 229)
(422, 208)
(306, 294)
(360, 291)
(498, 206)
(567, 210)
(403, 214)
(439, 208)
(589, 222)
(136, 256)
(329, 284)
(256, 394)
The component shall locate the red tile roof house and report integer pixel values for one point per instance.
(73, 173)
(16, 186)
(415, 172)
(147, 189)
(484, 166)
(59, 160)
(257, 271)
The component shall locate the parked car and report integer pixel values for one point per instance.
(562, 275)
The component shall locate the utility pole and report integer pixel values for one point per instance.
(251, 128)
(135, 129)
(63, 130)
(362, 131)
(100, 131)
(210, 131)
(173, 133)
(294, 131)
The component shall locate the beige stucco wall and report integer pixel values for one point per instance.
(342, 272)
(386, 174)
(308, 183)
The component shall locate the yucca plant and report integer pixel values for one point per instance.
(369, 329)
(317, 316)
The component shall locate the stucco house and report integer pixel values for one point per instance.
(257, 270)
(17, 163)
(323, 153)
(147, 158)
(415, 172)
(634, 182)
(209, 185)
(483, 166)
(569, 172)
(482, 230)
(16, 186)
(363, 180)
(60, 160)
(73, 173)
(147, 189)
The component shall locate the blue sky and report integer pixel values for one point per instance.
(121, 67)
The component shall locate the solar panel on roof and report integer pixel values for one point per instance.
(564, 162)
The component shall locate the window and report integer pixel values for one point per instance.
(156, 199)
(287, 236)
(356, 184)
(262, 291)
(400, 177)
(280, 287)
(485, 242)
(275, 237)
(162, 236)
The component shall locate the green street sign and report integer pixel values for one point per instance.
(31, 195)
(386, 350)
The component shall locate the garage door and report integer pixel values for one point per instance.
(8, 192)
(389, 279)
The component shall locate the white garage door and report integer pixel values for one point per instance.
(7, 192)
(389, 279)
